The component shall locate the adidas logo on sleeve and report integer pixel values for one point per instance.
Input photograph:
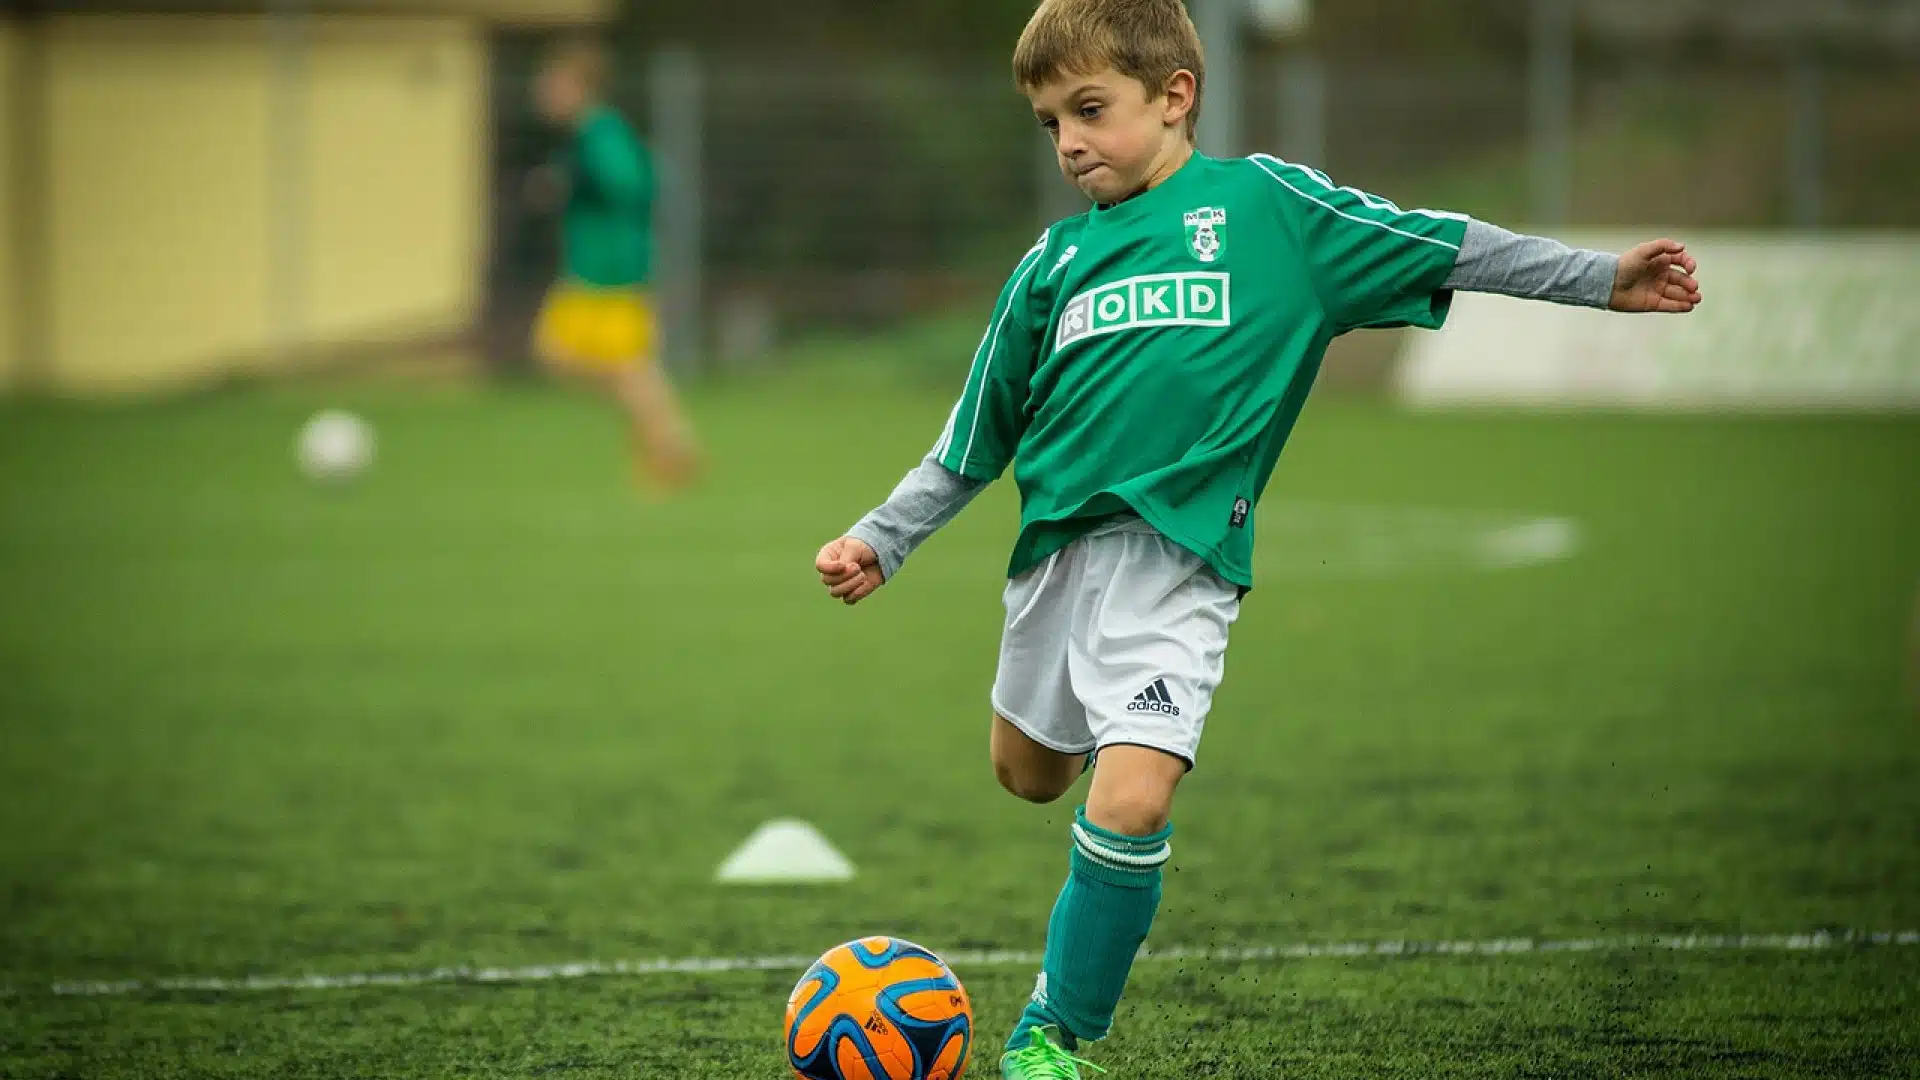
(1154, 699)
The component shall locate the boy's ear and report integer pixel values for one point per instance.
(1178, 96)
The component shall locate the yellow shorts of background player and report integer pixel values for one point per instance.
(595, 328)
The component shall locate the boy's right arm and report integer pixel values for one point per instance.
(871, 552)
(974, 449)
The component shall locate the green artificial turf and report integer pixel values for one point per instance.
(487, 708)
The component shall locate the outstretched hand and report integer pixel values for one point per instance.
(849, 569)
(1656, 277)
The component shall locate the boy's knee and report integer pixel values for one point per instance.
(1133, 790)
(1030, 784)
(1029, 770)
(1130, 814)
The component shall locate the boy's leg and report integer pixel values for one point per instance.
(1133, 790)
(1036, 773)
(606, 340)
(662, 436)
(1147, 654)
(1040, 738)
(1101, 918)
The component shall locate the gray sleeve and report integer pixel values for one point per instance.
(927, 498)
(1534, 267)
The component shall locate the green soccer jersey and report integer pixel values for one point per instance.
(606, 230)
(1152, 357)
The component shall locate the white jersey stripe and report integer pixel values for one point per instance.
(1262, 161)
(946, 433)
(1371, 201)
(953, 417)
(992, 344)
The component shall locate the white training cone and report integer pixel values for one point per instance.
(784, 851)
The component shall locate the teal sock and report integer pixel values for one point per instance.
(1098, 925)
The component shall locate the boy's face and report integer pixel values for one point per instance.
(1114, 138)
(560, 93)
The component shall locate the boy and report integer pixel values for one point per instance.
(597, 321)
(1141, 371)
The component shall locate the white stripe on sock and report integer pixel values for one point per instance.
(1092, 847)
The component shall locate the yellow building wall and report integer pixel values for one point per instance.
(396, 177)
(176, 248)
(9, 208)
(157, 232)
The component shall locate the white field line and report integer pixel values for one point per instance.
(1818, 941)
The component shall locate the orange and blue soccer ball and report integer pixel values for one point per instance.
(879, 1009)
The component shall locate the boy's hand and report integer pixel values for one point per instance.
(849, 569)
(1656, 277)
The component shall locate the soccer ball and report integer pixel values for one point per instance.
(879, 1009)
(334, 446)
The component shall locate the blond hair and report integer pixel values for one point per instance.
(1145, 40)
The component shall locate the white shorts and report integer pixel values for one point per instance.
(1120, 638)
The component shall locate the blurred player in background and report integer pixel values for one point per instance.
(1141, 373)
(598, 322)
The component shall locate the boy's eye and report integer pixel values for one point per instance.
(1050, 124)
(1089, 111)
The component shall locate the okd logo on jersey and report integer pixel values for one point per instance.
(1196, 299)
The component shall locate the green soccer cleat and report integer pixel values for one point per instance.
(1042, 1059)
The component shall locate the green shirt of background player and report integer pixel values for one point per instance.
(1141, 373)
(598, 320)
(606, 229)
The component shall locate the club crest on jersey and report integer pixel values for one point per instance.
(1204, 236)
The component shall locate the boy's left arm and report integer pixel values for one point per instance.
(1373, 264)
(1656, 276)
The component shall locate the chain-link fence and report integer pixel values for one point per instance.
(827, 195)
(328, 181)
(848, 195)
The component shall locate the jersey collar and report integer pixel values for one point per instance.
(1146, 200)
